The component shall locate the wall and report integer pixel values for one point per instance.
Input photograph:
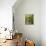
(43, 22)
(6, 13)
(32, 32)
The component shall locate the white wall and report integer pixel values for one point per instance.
(43, 22)
(6, 13)
(30, 31)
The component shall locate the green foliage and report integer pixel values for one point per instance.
(29, 19)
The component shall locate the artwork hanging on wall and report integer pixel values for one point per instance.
(29, 19)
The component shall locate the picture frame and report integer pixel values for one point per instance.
(29, 19)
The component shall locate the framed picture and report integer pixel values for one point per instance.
(29, 19)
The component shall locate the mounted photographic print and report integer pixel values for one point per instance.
(29, 19)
